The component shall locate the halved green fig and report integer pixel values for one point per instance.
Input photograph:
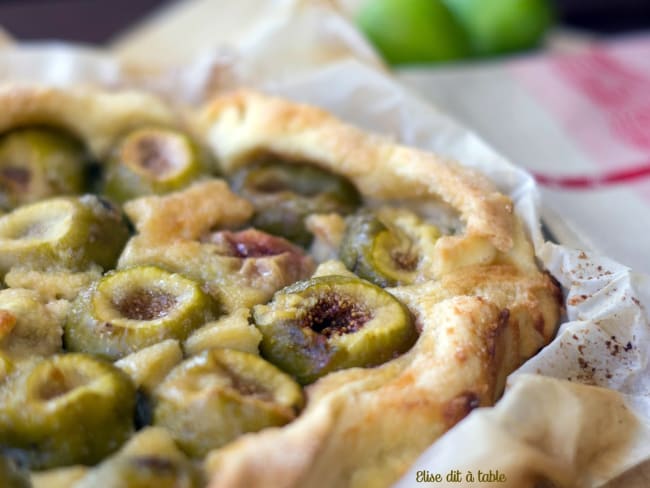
(329, 323)
(152, 161)
(131, 309)
(387, 247)
(211, 399)
(68, 233)
(66, 409)
(284, 194)
(149, 460)
(38, 163)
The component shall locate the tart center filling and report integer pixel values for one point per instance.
(336, 314)
(143, 304)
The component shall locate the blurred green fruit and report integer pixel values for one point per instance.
(500, 26)
(413, 31)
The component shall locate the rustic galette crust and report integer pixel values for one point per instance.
(243, 123)
(487, 310)
(97, 118)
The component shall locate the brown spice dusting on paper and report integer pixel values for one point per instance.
(578, 299)
(587, 376)
(614, 347)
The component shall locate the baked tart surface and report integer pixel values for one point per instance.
(254, 294)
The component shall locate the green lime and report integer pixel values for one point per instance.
(413, 31)
(500, 26)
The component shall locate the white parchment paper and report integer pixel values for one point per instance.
(575, 415)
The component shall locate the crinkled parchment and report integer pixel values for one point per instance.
(575, 415)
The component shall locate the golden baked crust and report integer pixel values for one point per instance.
(486, 311)
(189, 214)
(97, 118)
